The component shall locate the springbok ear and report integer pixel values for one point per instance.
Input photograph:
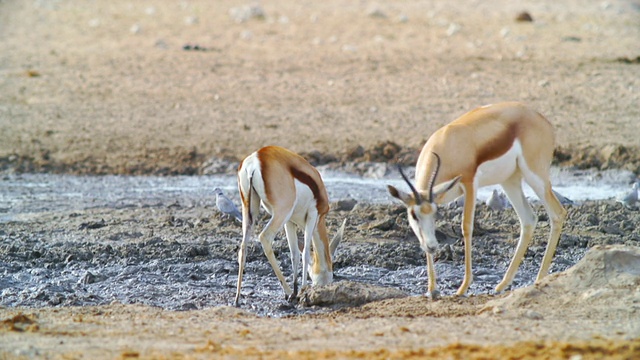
(333, 245)
(446, 186)
(401, 195)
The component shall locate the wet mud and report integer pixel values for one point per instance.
(178, 253)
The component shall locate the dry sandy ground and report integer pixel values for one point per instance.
(141, 87)
(104, 87)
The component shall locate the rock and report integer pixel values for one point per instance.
(612, 151)
(611, 229)
(347, 293)
(246, 35)
(571, 39)
(216, 165)
(317, 158)
(385, 224)
(376, 12)
(93, 225)
(231, 312)
(376, 171)
(355, 153)
(524, 17)
(191, 20)
(90, 278)
(533, 315)
(453, 29)
(604, 277)
(244, 13)
(349, 48)
(345, 204)
(161, 44)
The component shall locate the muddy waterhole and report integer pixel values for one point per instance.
(93, 240)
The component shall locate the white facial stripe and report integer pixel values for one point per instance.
(423, 227)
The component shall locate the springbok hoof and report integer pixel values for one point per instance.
(292, 298)
(434, 295)
(501, 289)
(294, 295)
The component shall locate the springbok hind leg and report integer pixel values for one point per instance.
(292, 238)
(247, 227)
(513, 188)
(242, 259)
(266, 239)
(557, 215)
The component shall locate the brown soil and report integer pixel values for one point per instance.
(129, 87)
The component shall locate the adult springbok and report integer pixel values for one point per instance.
(292, 192)
(494, 144)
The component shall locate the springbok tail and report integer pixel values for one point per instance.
(249, 203)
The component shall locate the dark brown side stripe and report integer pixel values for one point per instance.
(501, 143)
(307, 180)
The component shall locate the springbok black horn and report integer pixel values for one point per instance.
(433, 177)
(416, 194)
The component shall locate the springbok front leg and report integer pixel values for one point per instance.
(432, 287)
(468, 216)
(528, 219)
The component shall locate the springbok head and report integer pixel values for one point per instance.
(422, 208)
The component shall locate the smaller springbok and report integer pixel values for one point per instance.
(293, 193)
(494, 144)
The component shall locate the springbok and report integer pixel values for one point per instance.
(494, 144)
(293, 193)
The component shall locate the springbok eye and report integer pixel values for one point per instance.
(413, 215)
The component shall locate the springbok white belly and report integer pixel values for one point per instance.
(305, 202)
(498, 170)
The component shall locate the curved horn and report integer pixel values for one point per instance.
(433, 177)
(416, 194)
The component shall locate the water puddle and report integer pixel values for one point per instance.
(33, 193)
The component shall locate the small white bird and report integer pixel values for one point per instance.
(630, 199)
(496, 201)
(226, 206)
(563, 200)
